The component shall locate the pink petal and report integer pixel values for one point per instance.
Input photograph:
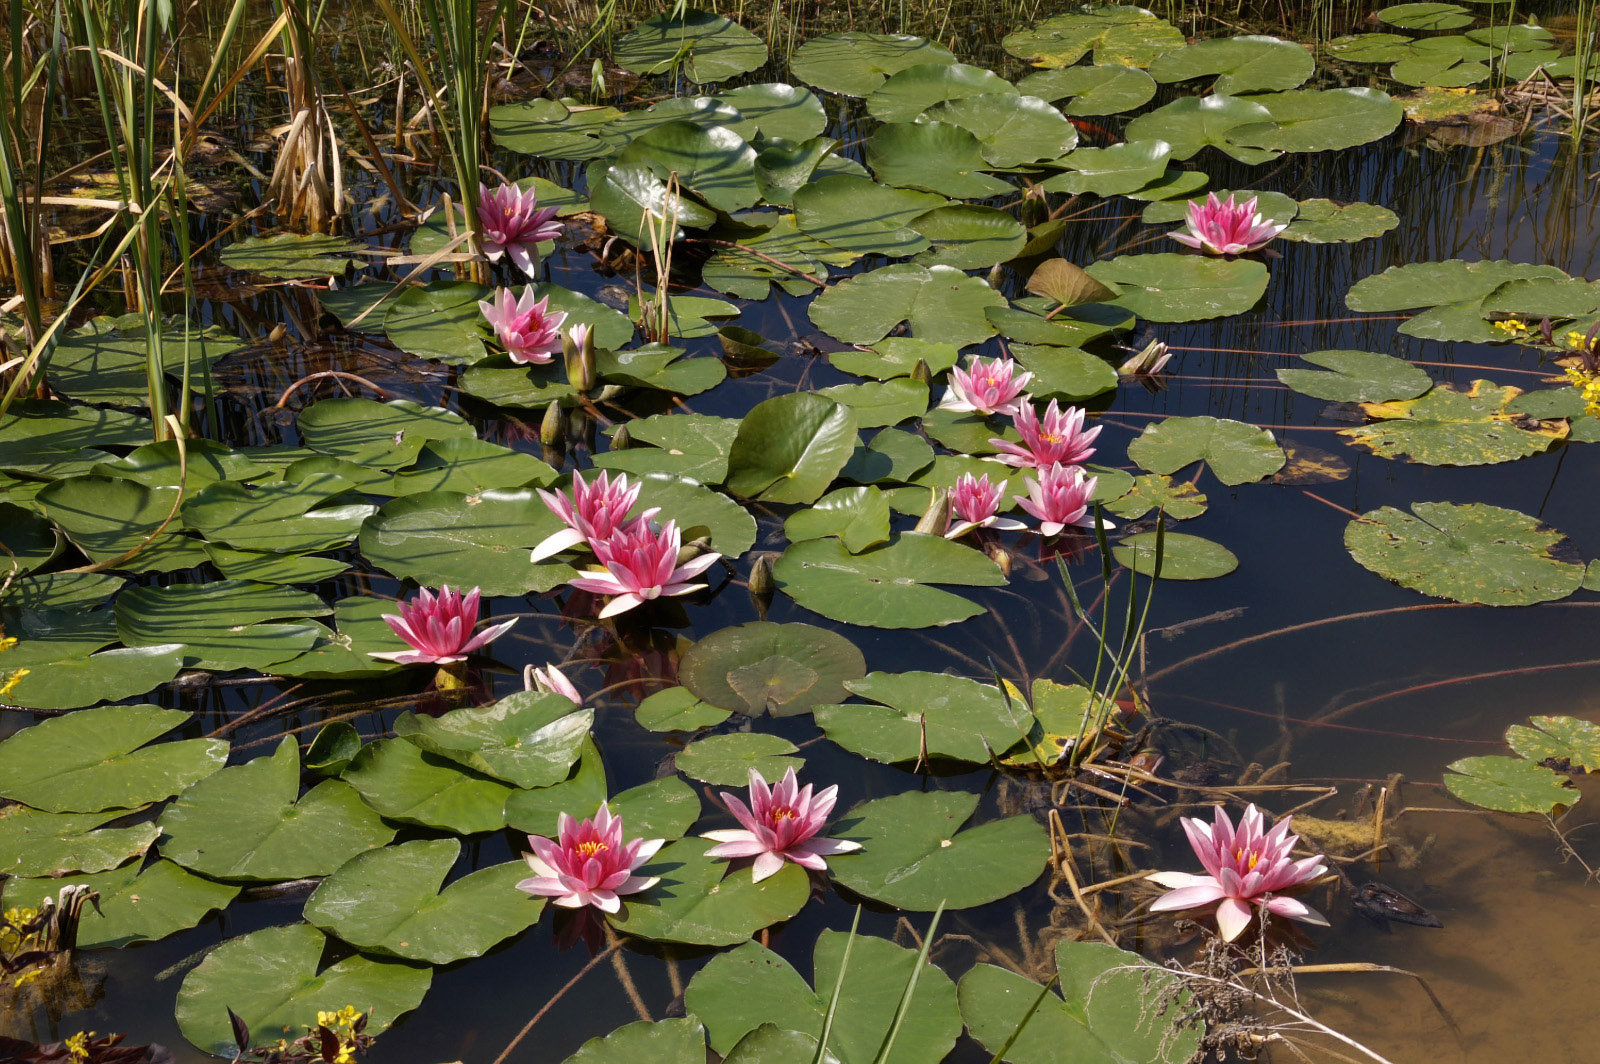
(1233, 916)
(1191, 897)
(767, 864)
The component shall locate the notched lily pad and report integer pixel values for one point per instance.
(761, 667)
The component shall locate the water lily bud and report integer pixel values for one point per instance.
(922, 371)
(621, 439)
(577, 349)
(937, 517)
(1148, 362)
(693, 549)
(597, 79)
(1001, 557)
(553, 429)
(762, 585)
(997, 274)
(1035, 208)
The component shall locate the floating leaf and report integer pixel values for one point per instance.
(677, 709)
(1094, 90)
(895, 356)
(107, 517)
(292, 256)
(1067, 284)
(688, 445)
(1321, 120)
(893, 455)
(937, 302)
(1544, 297)
(863, 217)
(726, 760)
(134, 905)
(1357, 377)
(221, 623)
(858, 516)
(1119, 34)
(388, 901)
(528, 739)
(108, 361)
(1371, 48)
(75, 682)
(1191, 123)
(60, 844)
(1322, 221)
(1179, 500)
(270, 980)
(925, 715)
(1171, 287)
(888, 586)
(1012, 130)
(784, 112)
(694, 506)
(408, 784)
(914, 854)
(1183, 557)
(969, 236)
(710, 47)
(1065, 373)
(1447, 427)
(1466, 553)
(1240, 64)
(909, 92)
(936, 156)
(761, 667)
(388, 434)
(97, 759)
(1434, 284)
(1509, 785)
(1113, 171)
(471, 467)
(249, 823)
(694, 904)
(440, 320)
(1426, 16)
(347, 654)
(790, 447)
(443, 537)
(1568, 739)
(855, 64)
(713, 162)
(1235, 453)
(266, 568)
(878, 404)
(539, 811)
(283, 517)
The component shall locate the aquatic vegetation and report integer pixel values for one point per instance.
(975, 503)
(781, 823)
(439, 628)
(597, 510)
(589, 863)
(524, 325)
(1223, 227)
(1058, 438)
(514, 225)
(552, 680)
(641, 564)
(986, 386)
(1059, 498)
(1247, 868)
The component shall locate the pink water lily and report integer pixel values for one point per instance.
(551, 681)
(439, 628)
(526, 327)
(975, 503)
(1226, 228)
(1060, 497)
(986, 386)
(588, 863)
(597, 509)
(513, 224)
(780, 824)
(1245, 868)
(641, 564)
(1059, 438)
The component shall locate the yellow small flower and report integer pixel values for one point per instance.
(347, 1053)
(7, 642)
(9, 684)
(1588, 386)
(1512, 328)
(78, 1045)
(1575, 339)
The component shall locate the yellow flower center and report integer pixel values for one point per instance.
(782, 812)
(590, 849)
(1250, 864)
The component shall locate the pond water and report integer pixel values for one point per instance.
(1300, 657)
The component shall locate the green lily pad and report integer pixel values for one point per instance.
(1116, 34)
(347, 653)
(1092, 90)
(440, 320)
(1191, 123)
(29, 540)
(855, 64)
(1465, 553)
(790, 447)
(710, 47)
(677, 709)
(134, 905)
(910, 91)
(1357, 377)
(292, 256)
(336, 745)
(1235, 453)
(664, 808)
(75, 682)
(53, 845)
(888, 586)
(1447, 427)
(1240, 64)
(387, 901)
(158, 465)
(742, 989)
(552, 130)
(1439, 71)
(858, 516)
(634, 199)
(747, 270)
(892, 455)
(471, 467)
(1183, 557)
(107, 360)
(539, 811)
(283, 517)
(1435, 284)
(694, 904)
(1544, 297)
(1179, 500)
(761, 667)
(1322, 221)
(96, 759)
(1065, 373)
(859, 215)
(937, 302)
(406, 783)
(969, 236)
(693, 505)
(385, 434)
(1509, 785)
(713, 162)
(881, 403)
(935, 156)
(106, 517)
(1321, 120)
(914, 854)
(1426, 16)
(1371, 48)
(726, 760)
(527, 739)
(1568, 739)
(687, 445)
(1102, 1011)
(895, 356)
(1114, 171)
(925, 715)
(249, 823)
(1171, 287)
(1012, 130)
(662, 1042)
(443, 537)
(222, 624)
(783, 112)
(271, 980)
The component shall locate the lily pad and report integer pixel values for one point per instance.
(134, 905)
(1171, 287)
(790, 447)
(925, 715)
(887, 586)
(1509, 785)
(662, 1042)
(1568, 739)
(909, 92)
(1012, 130)
(406, 783)
(1434, 284)
(1240, 64)
(1120, 34)
(892, 455)
(969, 236)
(1428, 16)
(75, 682)
(97, 759)
(271, 980)
(895, 356)
(53, 845)
(710, 47)
(855, 64)
(1065, 373)
(368, 432)
(713, 162)
(782, 112)
(527, 739)
(1114, 171)
(106, 517)
(1306, 120)
(726, 760)
(1467, 553)
(1322, 221)
(1092, 90)
(539, 811)
(1179, 500)
(694, 904)
(1447, 427)
(283, 517)
(1235, 453)
(694, 506)
(1183, 557)
(861, 216)
(760, 667)
(442, 537)
(1191, 123)
(1357, 377)
(347, 653)
(937, 302)
(292, 256)
(881, 403)
(677, 709)
(249, 823)
(688, 445)
(914, 854)
(387, 901)
(858, 516)
(935, 156)
(222, 624)
(440, 320)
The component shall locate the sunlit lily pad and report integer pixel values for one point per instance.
(107, 360)
(710, 47)
(726, 760)
(1065, 373)
(133, 905)
(282, 517)
(751, 985)
(1322, 221)
(440, 320)
(1239, 64)
(408, 784)
(909, 92)
(29, 540)
(97, 759)
(1011, 129)
(1357, 377)
(250, 823)
(1509, 785)
(1171, 287)
(1371, 48)
(861, 216)
(1321, 120)
(527, 738)
(539, 811)
(1543, 297)
(688, 445)
(1236, 453)
(223, 624)
(1447, 427)
(694, 904)
(271, 980)
(891, 455)
(895, 356)
(915, 855)
(1179, 500)
(858, 516)
(677, 709)
(1432, 284)
(78, 681)
(347, 653)
(1183, 557)
(1114, 171)
(877, 404)
(1466, 553)
(969, 236)
(366, 431)
(935, 156)
(1092, 90)
(663, 1042)
(1429, 16)
(388, 901)
(925, 715)
(442, 537)
(53, 845)
(713, 162)
(790, 447)
(1568, 739)
(855, 64)
(293, 256)
(762, 667)
(888, 586)
(107, 517)
(1125, 35)
(937, 302)
(786, 112)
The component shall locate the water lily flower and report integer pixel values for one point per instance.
(598, 508)
(578, 353)
(528, 330)
(1150, 360)
(551, 681)
(439, 628)
(975, 503)
(642, 564)
(1059, 439)
(990, 386)
(1226, 228)
(780, 824)
(1060, 497)
(1244, 868)
(588, 863)
(514, 225)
